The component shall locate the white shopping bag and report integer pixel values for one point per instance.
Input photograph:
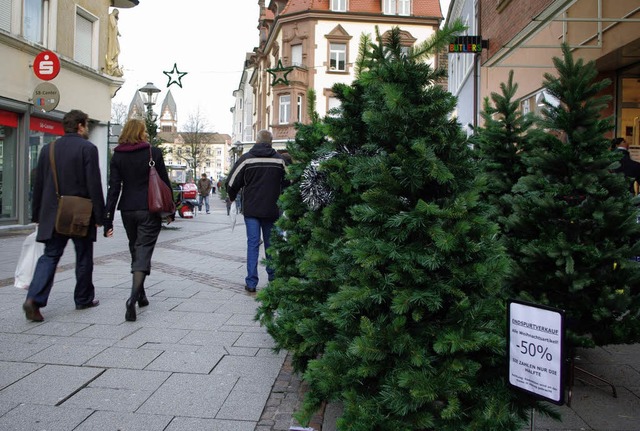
(234, 219)
(31, 252)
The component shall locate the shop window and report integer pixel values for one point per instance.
(630, 111)
(8, 162)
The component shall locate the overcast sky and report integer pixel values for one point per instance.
(207, 39)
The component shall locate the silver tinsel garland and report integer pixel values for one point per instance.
(314, 189)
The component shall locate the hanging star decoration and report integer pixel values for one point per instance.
(175, 76)
(280, 74)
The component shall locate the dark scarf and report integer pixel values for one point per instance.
(127, 148)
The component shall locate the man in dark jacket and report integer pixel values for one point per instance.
(78, 172)
(260, 174)
(629, 167)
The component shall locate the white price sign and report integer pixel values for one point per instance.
(536, 350)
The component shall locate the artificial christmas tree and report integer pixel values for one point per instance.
(415, 306)
(499, 145)
(573, 234)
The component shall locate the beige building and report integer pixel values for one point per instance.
(313, 44)
(188, 153)
(33, 99)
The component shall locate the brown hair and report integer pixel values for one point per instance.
(72, 119)
(133, 132)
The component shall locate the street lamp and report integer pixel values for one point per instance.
(237, 151)
(151, 92)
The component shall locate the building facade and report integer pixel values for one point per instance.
(525, 36)
(80, 34)
(314, 44)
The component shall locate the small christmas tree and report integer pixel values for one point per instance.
(417, 311)
(499, 145)
(573, 232)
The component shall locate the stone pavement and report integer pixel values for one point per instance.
(195, 359)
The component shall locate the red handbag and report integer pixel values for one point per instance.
(160, 197)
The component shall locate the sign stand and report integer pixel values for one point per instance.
(572, 371)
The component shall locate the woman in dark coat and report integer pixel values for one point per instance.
(129, 173)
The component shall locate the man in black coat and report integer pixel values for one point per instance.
(629, 167)
(78, 174)
(261, 175)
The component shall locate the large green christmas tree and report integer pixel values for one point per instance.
(573, 234)
(415, 305)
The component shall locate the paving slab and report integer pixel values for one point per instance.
(65, 354)
(197, 424)
(119, 357)
(49, 385)
(191, 395)
(11, 372)
(29, 417)
(187, 362)
(111, 421)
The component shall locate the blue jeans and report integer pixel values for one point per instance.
(206, 202)
(42, 282)
(254, 226)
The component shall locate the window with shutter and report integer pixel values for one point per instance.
(83, 40)
(5, 15)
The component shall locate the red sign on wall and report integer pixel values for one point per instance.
(46, 65)
(46, 126)
(9, 119)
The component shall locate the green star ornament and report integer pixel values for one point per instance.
(175, 76)
(280, 74)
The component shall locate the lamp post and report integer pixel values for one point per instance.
(237, 151)
(151, 91)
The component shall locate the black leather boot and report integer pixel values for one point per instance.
(143, 301)
(136, 290)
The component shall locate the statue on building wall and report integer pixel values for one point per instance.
(113, 46)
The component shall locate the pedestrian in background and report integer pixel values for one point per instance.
(78, 172)
(129, 174)
(204, 190)
(629, 167)
(260, 174)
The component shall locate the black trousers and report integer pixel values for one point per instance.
(142, 229)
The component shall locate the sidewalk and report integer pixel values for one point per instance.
(195, 359)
